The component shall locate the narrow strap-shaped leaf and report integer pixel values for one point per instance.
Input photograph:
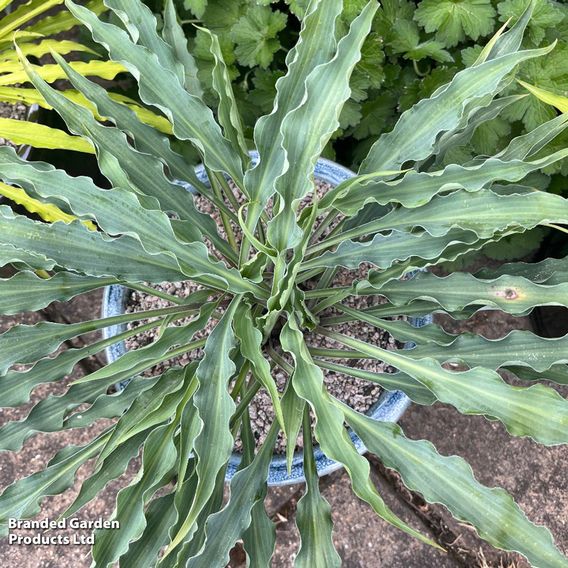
(138, 360)
(557, 374)
(190, 117)
(88, 252)
(215, 406)
(519, 347)
(16, 386)
(401, 330)
(511, 40)
(313, 515)
(27, 291)
(293, 411)
(225, 527)
(483, 212)
(250, 339)
(111, 405)
(152, 407)
(533, 141)
(228, 112)
(538, 412)
(42, 136)
(111, 468)
(28, 343)
(316, 45)
(158, 459)
(31, 97)
(142, 24)
(259, 539)
(384, 250)
(326, 90)
(160, 516)
(13, 255)
(120, 163)
(23, 14)
(377, 278)
(450, 480)
(441, 112)
(174, 35)
(112, 211)
(462, 136)
(51, 73)
(329, 430)
(550, 271)
(192, 545)
(22, 498)
(131, 119)
(418, 188)
(512, 294)
(48, 415)
(414, 389)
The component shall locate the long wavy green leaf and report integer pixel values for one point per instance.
(415, 390)
(250, 339)
(174, 35)
(152, 407)
(158, 459)
(326, 90)
(316, 45)
(512, 294)
(225, 527)
(215, 407)
(450, 480)
(191, 119)
(228, 112)
(550, 271)
(415, 133)
(22, 498)
(16, 386)
(418, 188)
(119, 162)
(112, 211)
(27, 291)
(138, 360)
(313, 515)
(384, 250)
(399, 329)
(28, 343)
(329, 430)
(519, 347)
(483, 212)
(538, 412)
(90, 253)
(111, 468)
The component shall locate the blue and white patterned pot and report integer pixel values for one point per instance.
(389, 407)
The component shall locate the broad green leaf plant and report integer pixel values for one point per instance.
(407, 209)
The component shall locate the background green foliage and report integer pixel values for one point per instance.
(413, 49)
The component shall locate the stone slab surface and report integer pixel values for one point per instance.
(536, 476)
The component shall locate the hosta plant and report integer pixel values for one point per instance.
(403, 211)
